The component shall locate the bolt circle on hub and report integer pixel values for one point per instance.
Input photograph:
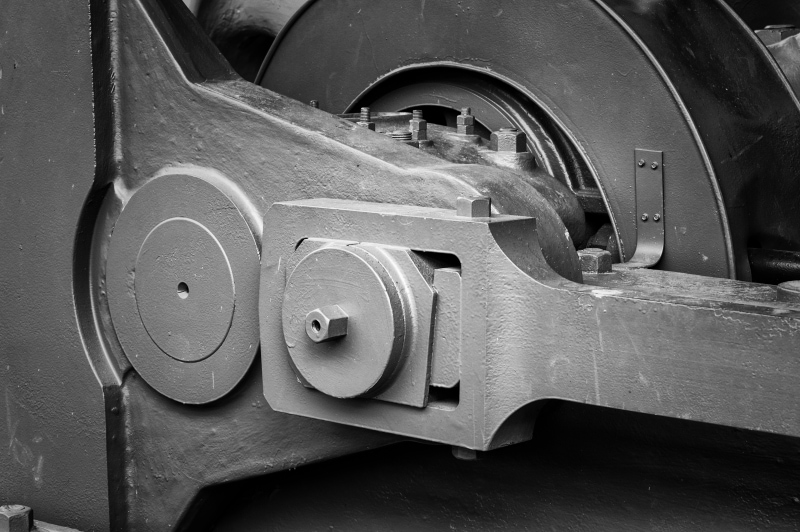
(345, 290)
(182, 276)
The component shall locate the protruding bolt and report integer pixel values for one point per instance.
(641, 163)
(656, 217)
(326, 323)
(16, 518)
(645, 217)
(462, 453)
(465, 122)
(364, 121)
(789, 292)
(654, 165)
(474, 207)
(595, 260)
(508, 139)
(418, 126)
(314, 104)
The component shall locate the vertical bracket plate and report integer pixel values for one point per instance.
(649, 166)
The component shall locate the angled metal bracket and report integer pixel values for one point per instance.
(649, 209)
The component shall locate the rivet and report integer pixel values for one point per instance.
(644, 217)
(656, 217)
(641, 163)
(654, 166)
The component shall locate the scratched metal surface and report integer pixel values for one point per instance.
(52, 432)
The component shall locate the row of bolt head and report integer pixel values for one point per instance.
(504, 140)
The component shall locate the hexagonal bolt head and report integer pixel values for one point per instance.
(595, 260)
(16, 518)
(465, 122)
(326, 323)
(508, 139)
(474, 207)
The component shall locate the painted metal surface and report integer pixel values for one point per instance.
(145, 96)
(587, 469)
(703, 357)
(181, 264)
(52, 424)
(178, 109)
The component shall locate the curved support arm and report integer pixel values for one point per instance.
(705, 349)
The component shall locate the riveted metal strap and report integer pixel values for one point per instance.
(649, 209)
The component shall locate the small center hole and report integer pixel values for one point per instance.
(183, 290)
(316, 326)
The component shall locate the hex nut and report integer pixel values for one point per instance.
(595, 260)
(15, 518)
(474, 207)
(465, 122)
(508, 139)
(326, 323)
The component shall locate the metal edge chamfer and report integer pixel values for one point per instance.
(181, 270)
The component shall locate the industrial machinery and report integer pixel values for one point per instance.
(456, 264)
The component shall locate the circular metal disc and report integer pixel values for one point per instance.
(184, 289)
(178, 251)
(359, 363)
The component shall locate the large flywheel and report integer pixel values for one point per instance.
(590, 83)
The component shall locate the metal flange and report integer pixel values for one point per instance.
(361, 362)
(181, 266)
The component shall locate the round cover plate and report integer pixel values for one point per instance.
(184, 289)
(363, 360)
(178, 252)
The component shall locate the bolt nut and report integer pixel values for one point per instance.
(326, 323)
(465, 122)
(508, 139)
(16, 518)
(474, 207)
(595, 260)
(418, 126)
